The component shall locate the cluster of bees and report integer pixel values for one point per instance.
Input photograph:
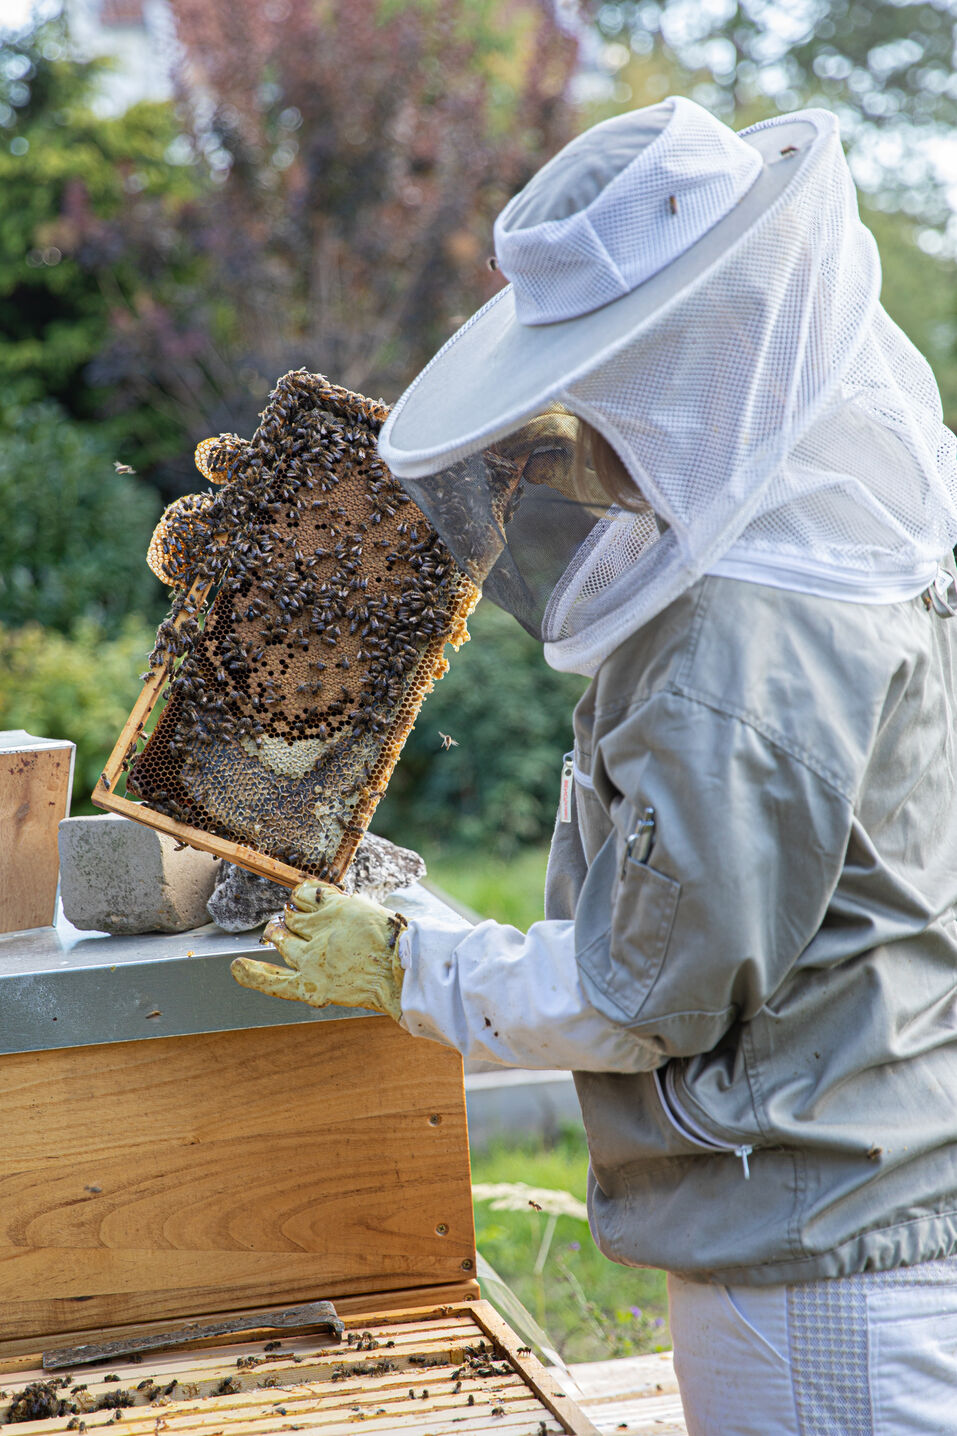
(312, 604)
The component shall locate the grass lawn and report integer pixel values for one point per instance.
(591, 1308)
(509, 891)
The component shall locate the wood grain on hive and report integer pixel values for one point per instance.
(34, 795)
(229, 1171)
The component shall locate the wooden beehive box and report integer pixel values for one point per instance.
(175, 1149)
(35, 779)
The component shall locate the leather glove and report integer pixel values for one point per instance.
(340, 948)
(544, 449)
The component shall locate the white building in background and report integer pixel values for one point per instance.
(140, 37)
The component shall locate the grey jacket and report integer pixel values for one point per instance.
(786, 956)
(762, 1015)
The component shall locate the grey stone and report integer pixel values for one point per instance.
(380, 867)
(122, 877)
(242, 900)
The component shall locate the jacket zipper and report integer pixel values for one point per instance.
(565, 795)
(571, 774)
(688, 1127)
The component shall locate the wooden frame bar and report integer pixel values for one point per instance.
(441, 1369)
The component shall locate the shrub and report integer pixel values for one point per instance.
(511, 718)
(74, 532)
(80, 687)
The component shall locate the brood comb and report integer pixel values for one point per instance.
(312, 605)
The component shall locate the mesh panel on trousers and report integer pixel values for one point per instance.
(827, 1329)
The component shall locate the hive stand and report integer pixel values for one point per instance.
(175, 1148)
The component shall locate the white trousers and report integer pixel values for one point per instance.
(868, 1355)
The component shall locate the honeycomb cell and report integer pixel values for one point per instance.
(313, 605)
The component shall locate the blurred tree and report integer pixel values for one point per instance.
(884, 66)
(361, 149)
(510, 717)
(96, 239)
(75, 532)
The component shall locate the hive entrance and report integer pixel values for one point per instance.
(313, 604)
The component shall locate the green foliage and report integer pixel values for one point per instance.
(80, 688)
(511, 718)
(914, 283)
(592, 1309)
(878, 71)
(885, 66)
(506, 889)
(75, 532)
(95, 244)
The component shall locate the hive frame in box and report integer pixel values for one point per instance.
(388, 650)
(433, 1370)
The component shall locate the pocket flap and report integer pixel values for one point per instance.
(632, 909)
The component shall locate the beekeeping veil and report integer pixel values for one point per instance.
(708, 302)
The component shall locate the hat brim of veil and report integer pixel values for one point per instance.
(495, 373)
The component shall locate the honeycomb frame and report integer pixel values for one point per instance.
(312, 605)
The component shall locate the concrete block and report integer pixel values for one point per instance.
(122, 877)
(512, 1104)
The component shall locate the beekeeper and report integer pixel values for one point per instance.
(735, 512)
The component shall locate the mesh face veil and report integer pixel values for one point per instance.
(777, 425)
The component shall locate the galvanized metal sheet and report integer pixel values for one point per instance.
(60, 987)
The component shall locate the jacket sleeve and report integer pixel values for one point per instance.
(500, 995)
(749, 843)
(663, 956)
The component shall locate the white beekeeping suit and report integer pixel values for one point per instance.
(709, 302)
(749, 950)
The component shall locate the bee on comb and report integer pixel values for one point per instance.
(312, 605)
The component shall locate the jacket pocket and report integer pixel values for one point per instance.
(687, 1126)
(624, 960)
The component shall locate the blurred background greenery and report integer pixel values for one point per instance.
(534, 1233)
(313, 182)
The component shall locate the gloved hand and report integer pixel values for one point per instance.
(340, 948)
(544, 449)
